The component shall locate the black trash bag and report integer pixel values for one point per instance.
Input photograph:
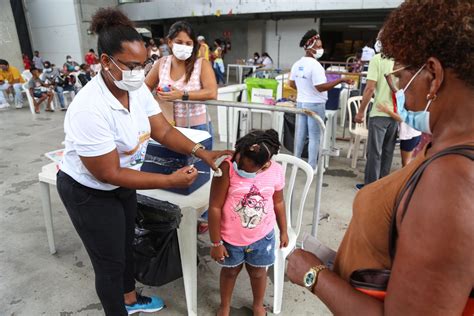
(155, 247)
(289, 134)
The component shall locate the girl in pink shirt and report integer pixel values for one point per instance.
(245, 204)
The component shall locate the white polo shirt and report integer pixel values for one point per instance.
(307, 73)
(96, 123)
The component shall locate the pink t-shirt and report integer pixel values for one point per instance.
(248, 214)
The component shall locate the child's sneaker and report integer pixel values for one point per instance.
(359, 186)
(145, 304)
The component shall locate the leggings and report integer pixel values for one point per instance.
(105, 222)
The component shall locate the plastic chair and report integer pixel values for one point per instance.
(26, 74)
(359, 132)
(296, 164)
(31, 101)
(29, 98)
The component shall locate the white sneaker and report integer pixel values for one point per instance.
(4, 105)
(18, 105)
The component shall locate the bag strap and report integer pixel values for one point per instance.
(410, 186)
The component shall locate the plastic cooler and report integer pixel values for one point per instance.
(159, 159)
(333, 95)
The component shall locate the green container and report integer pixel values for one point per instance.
(258, 89)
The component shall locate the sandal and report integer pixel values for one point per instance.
(49, 110)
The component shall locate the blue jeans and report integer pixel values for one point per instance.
(59, 90)
(308, 127)
(260, 254)
(219, 74)
(17, 87)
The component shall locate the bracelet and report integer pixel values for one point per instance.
(196, 148)
(216, 244)
(317, 269)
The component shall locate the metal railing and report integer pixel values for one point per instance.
(255, 106)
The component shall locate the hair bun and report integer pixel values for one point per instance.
(106, 18)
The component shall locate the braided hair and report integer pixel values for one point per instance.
(258, 146)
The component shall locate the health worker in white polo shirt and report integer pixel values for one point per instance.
(108, 126)
(309, 78)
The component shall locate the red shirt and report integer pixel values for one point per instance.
(91, 59)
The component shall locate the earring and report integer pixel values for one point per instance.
(431, 97)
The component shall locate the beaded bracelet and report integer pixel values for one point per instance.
(216, 244)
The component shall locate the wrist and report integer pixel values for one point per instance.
(217, 244)
(310, 279)
(197, 150)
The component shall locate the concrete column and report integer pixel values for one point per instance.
(9, 42)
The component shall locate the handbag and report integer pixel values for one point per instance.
(374, 282)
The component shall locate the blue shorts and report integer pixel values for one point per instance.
(409, 144)
(259, 254)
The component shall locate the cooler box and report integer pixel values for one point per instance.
(159, 159)
(333, 95)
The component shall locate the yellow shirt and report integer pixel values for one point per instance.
(206, 54)
(378, 67)
(11, 75)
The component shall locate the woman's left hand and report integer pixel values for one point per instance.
(210, 157)
(299, 262)
(172, 95)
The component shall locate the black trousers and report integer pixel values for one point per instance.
(105, 221)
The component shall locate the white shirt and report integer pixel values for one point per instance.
(407, 132)
(96, 123)
(367, 53)
(307, 73)
(267, 62)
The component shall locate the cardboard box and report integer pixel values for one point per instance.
(159, 159)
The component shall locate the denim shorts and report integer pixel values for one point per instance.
(259, 254)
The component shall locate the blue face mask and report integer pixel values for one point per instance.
(419, 120)
(243, 173)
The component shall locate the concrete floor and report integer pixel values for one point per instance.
(33, 282)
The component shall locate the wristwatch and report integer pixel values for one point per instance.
(185, 95)
(311, 277)
(196, 148)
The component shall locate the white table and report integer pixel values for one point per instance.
(191, 206)
(240, 71)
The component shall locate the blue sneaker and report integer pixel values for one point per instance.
(145, 304)
(359, 186)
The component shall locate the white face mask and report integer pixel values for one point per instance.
(69, 60)
(378, 46)
(319, 53)
(131, 80)
(182, 52)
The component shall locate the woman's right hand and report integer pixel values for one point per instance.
(219, 253)
(183, 178)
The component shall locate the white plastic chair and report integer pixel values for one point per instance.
(359, 132)
(26, 74)
(29, 97)
(31, 101)
(292, 210)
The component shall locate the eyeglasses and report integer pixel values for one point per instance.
(135, 68)
(392, 80)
